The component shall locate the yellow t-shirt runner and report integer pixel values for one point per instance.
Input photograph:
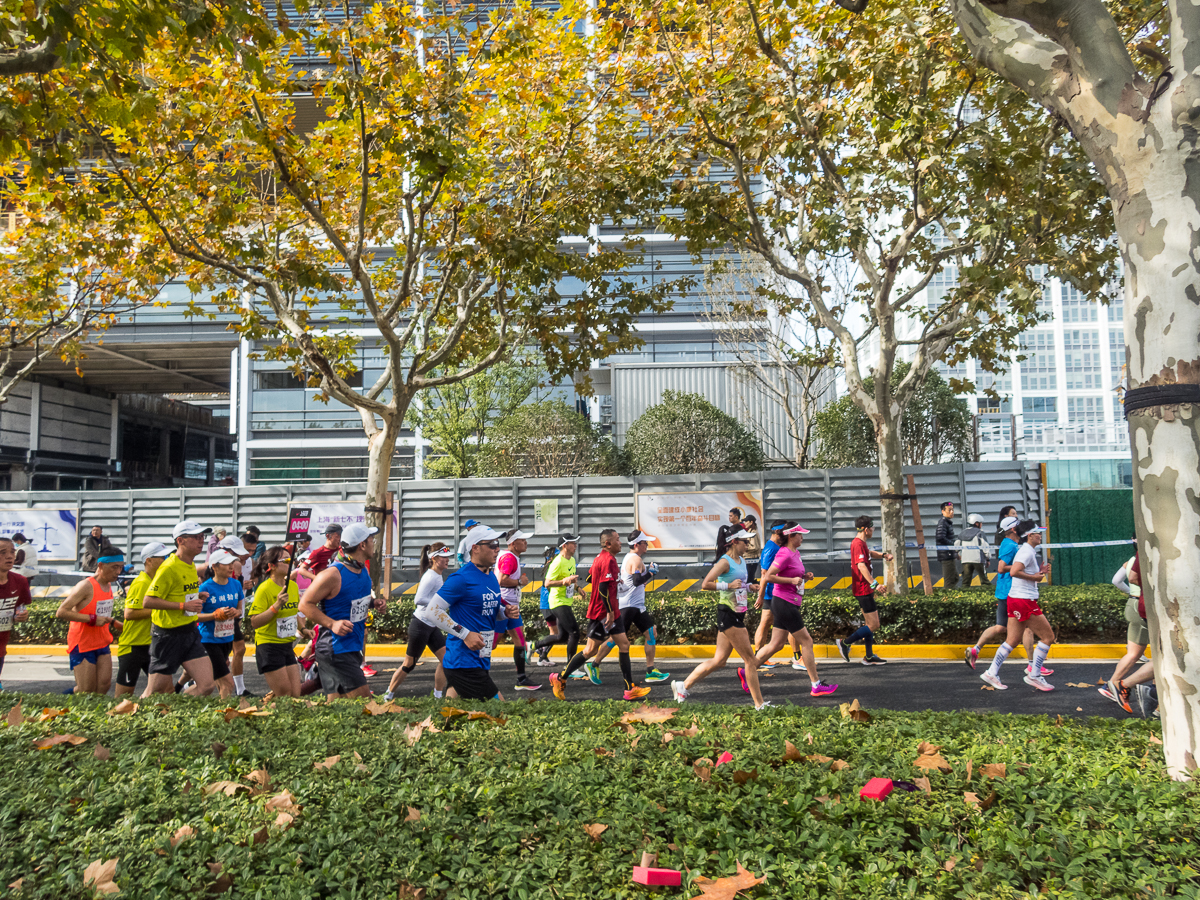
(176, 582)
(137, 631)
(561, 568)
(283, 629)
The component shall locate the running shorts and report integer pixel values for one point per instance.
(422, 635)
(237, 631)
(632, 617)
(866, 602)
(1139, 632)
(786, 615)
(598, 631)
(170, 648)
(470, 684)
(727, 618)
(271, 657)
(507, 624)
(91, 656)
(1023, 610)
(218, 655)
(341, 673)
(130, 664)
(1002, 611)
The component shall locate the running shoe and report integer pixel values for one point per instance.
(544, 662)
(768, 666)
(1123, 693)
(678, 691)
(799, 665)
(637, 693)
(656, 674)
(1046, 673)
(843, 649)
(971, 654)
(994, 681)
(245, 693)
(593, 672)
(1146, 699)
(524, 684)
(742, 678)
(874, 660)
(1040, 683)
(556, 685)
(821, 688)
(368, 670)
(766, 704)
(389, 696)
(577, 675)
(1110, 691)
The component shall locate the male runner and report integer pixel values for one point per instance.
(133, 647)
(175, 602)
(862, 585)
(14, 596)
(319, 559)
(468, 607)
(89, 608)
(561, 579)
(338, 601)
(1004, 560)
(511, 578)
(602, 621)
(631, 596)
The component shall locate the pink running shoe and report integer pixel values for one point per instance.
(821, 688)
(742, 679)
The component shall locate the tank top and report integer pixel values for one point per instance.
(735, 600)
(84, 637)
(509, 595)
(630, 595)
(353, 602)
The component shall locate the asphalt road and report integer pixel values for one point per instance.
(911, 685)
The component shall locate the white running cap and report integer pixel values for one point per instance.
(639, 538)
(187, 526)
(155, 550)
(222, 556)
(355, 534)
(480, 534)
(1010, 523)
(444, 551)
(234, 545)
(517, 535)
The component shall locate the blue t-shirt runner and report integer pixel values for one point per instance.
(229, 594)
(473, 598)
(1007, 553)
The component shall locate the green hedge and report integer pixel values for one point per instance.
(498, 809)
(1079, 613)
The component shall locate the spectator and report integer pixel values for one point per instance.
(259, 547)
(946, 553)
(974, 551)
(27, 556)
(94, 546)
(214, 542)
(725, 531)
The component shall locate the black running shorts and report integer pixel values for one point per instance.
(786, 615)
(170, 648)
(469, 684)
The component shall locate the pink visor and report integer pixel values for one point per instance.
(796, 529)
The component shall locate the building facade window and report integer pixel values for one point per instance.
(1076, 307)
(1038, 371)
(1083, 360)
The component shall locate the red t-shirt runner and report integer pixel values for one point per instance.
(13, 593)
(319, 559)
(603, 577)
(859, 553)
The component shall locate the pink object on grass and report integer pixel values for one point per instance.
(876, 789)
(724, 758)
(668, 877)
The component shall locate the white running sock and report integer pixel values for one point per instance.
(239, 683)
(437, 694)
(1039, 657)
(1001, 655)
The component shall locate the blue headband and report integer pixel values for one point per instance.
(112, 558)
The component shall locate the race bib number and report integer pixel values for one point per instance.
(739, 599)
(571, 590)
(223, 628)
(489, 638)
(189, 598)
(104, 608)
(359, 608)
(285, 628)
(6, 619)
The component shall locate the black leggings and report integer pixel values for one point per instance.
(568, 632)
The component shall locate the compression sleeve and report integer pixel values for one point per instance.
(437, 614)
(1121, 580)
(640, 578)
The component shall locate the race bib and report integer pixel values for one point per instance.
(359, 608)
(285, 628)
(104, 608)
(489, 638)
(739, 599)
(223, 628)
(571, 590)
(6, 619)
(188, 598)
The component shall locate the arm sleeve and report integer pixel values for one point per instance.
(1121, 580)
(437, 614)
(640, 578)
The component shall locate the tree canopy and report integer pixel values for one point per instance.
(547, 439)
(685, 433)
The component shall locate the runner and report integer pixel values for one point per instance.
(435, 558)
(133, 646)
(1128, 580)
(511, 578)
(14, 596)
(729, 575)
(631, 596)
(604, 616)
(89, 609)
(787, 573)
(561, 579)
(242, 572)
(548, 616)
(766, 591)
(222, 610)
(337, 602)
(273, 616)
(467, 607)
(862, 585)
(175, 602)
(1023, 610)
(319, 559)
(461, 557)
(1004, 559)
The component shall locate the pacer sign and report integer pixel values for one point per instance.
(689, 520)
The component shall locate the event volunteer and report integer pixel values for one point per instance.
(14, 596)
(273, 616)
(133, 646)
(89, 608)
(175, 603)
(467, 607)
(224, 604)
(338, 601)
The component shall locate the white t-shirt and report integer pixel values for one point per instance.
(628, 593)
(1022, 588)
(29, 567)
(430, 584)
(509, 594)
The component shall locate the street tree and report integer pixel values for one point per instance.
(809, 137)
(547, 439)
(685, 433)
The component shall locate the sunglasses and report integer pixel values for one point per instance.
(491, 545)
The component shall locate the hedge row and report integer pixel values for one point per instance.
(1079, 613)
(549, 800)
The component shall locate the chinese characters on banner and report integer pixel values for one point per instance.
(53, 532)
(545, 517)
(689, 520)
(324, 514)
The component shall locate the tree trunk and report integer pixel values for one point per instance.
(381, 447)
(891, 507)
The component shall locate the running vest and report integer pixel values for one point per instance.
(628, 593)
(735, 600)
(509, 595)
(352, 602)
(84, 637)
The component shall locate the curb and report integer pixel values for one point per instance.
(707, 651)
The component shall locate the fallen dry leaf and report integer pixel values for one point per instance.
(790, 753)
(283, 819)
(818, 758)
(14, 715)
(600, 751)
(838, 765)
(650, 715)
(633, 744)
(949, 864)
(703, 769)
(214, 867)
(725, 888)
(986, 687)
(49, 713)
(246, 711)
(414, 815)
(124, 708)
(270, 695)
(994, 770)
(595, 830)
(260, 837)
(102, 753)
(375, 708)
(221, 885)
(1080, 684)
(283, 802)
(970, 769)
(1154, 739)
(740, 777)
(480, 714)
(46, 743)
(930, 758)
(413, 733)
(923, 784)
(329, 763)
(16, 886)
(625, 727)
(408, 892)
(228, 788)
(261, 778)
(972, 799)
(808, 738)
(101, 875)
(182, 834)
(990, 801)
(855, 712)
